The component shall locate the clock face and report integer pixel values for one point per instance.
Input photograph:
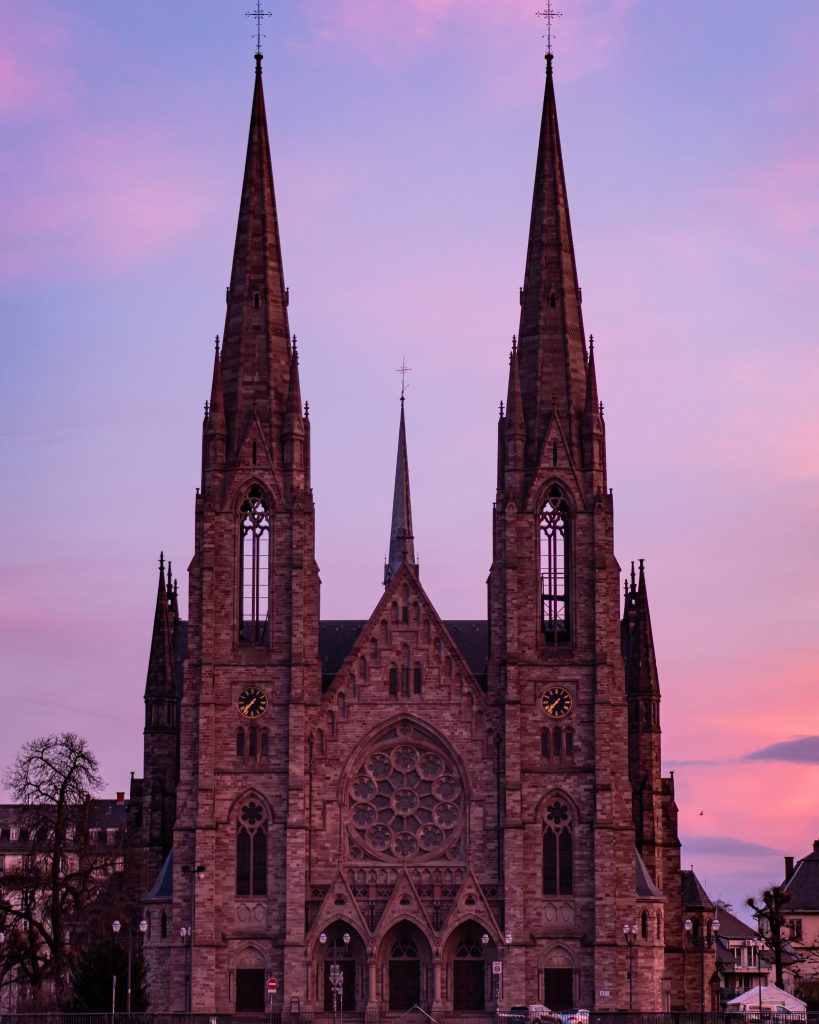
(556, 702)
(252, 702)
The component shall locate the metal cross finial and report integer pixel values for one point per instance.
(549, 14)
(258, 14)
(403, 369)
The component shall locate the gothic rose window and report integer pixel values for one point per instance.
(554, 544)
(251, 851)
(255, 569)
(405, 800)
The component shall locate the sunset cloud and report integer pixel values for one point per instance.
(800, 750)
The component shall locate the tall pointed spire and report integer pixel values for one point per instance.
(402, 542)
(642, 679)
(256, 348)
(551, 346)
(514, 438)
(294, 425)
(159, 685)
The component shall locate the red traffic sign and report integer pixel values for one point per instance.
(272, 985)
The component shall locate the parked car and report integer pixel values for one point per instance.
(534, 1013)
(575, 1017)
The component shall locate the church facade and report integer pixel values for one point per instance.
(459, 815)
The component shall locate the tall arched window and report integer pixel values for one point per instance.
(251, 851)
(558, 850)
(255, 553)
(554, 566)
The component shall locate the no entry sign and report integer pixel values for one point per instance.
(272, 985)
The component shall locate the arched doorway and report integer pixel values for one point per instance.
(407, 959)
(344, 962)
(251, 980)
(469, 969)
(559, 980)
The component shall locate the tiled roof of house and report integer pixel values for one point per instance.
(803, 885)
(730, 927)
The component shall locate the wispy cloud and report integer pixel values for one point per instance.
(799, 750)
(728, 845)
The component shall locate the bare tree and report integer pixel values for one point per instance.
(769, 913)
(47, 892)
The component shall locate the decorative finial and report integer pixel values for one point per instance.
(295, 345)
(258, 14)
(217, 344)
(207, 409)
(307, 410)
(403, 369)
(633, 580)
(161, 561)
(514, 344)
(500, 407)
(591, 343)
(549, 14)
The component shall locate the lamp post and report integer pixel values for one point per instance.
(497, 988)
(714, 934)
(185, 933)
(630, 935)
(688, 925)
(193, 873)
(116, 926)
(336, 974)
(759, 947)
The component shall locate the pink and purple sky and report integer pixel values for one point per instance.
(404, 138)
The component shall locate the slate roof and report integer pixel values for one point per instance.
(162, 889)
(103, 814)
(337, 636)
(803, 885)
(694, 897)
(645, 886)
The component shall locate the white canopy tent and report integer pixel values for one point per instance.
(773, 998)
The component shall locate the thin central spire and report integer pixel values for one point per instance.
(256, 346)
(402, 542)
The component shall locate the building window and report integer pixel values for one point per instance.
(163, 925)
(644, 924)
(558, 851)
(554, 544)
(265, 743)
(255, 555)
(416, 680)
(393, 681)
(544, 743)
(251, 851)
(240, 743)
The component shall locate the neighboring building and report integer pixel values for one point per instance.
(447, 794)
(700, 925)
(739, 964)
(89, 883)
(802, 920)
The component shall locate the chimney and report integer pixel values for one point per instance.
(788, 868)
(121, 800)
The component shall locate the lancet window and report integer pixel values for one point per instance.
(558, 850)
(554, 566)
(255, 569)
(251, 851)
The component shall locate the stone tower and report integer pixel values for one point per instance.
(253, 633)
(555, 665)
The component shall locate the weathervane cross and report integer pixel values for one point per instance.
(258, 14)
(549, 14)
(403, 369)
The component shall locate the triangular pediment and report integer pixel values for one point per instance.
(339, 904)
(404, 904)
(253, 464)
(555, 461)
(470, 903)
(406, 618)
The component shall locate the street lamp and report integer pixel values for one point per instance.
(714, 934)
(193, 873)
(630, 935)
(688, 924)
(116, 927)
(336, 973)
(185, 934)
